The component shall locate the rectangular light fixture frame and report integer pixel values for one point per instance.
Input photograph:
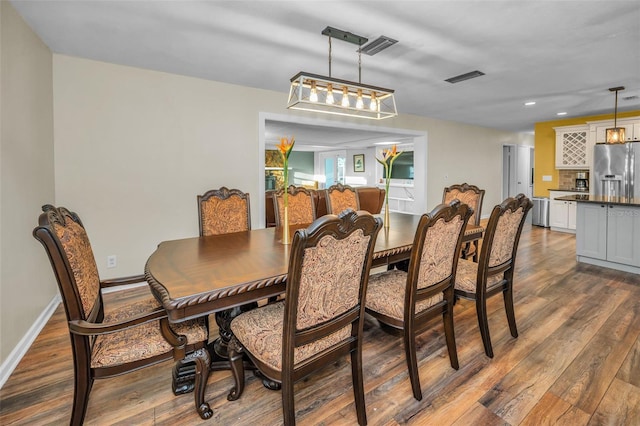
(301, 98)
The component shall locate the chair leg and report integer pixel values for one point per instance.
(483, 324)
(508, 306)
(82, 389)
(412, 362)
(450, 336)
(358, 385)
(237, 368)
(202, 362)
(475, 253)
(288, 408)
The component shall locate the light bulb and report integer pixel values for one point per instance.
(345, 97)
(373, 106)
(330, 94)
(359, 103)
(313, 96)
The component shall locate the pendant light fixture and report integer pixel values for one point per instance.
(615, 134)
(312, 92)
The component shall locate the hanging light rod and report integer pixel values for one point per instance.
(317, 93)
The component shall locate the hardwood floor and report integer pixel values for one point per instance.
(576, 362)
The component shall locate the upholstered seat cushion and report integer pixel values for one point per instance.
(466, 276)
(386, 292)
(260, 332)
(140, 342)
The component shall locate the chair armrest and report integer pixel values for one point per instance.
(114, 282)
(86, 328)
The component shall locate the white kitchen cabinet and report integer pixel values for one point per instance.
(562, 214)
(591, 231)
(631, 129)
(609, 233)
(573, 149)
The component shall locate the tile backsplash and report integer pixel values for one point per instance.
(567, 178)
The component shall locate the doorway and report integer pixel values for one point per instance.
(517, 170)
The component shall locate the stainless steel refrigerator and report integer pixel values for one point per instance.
(616, 170)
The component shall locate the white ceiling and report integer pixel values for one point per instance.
(563, 55)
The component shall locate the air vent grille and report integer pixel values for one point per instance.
(378, 45)
(463, 77)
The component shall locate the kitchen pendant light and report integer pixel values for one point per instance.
(312, 92)
(615, 134)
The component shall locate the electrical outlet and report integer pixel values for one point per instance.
(112, 261)
(547, 178)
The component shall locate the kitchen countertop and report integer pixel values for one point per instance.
(601, 199)
(570, 190)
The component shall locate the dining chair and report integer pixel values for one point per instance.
(322, 316)
(406, 301)
(302, 205)
(370, 198)
(472, 196)
(111, 342)
(341, 197)
(222, 211)
(493, 273)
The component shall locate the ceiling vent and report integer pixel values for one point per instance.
(463, 77)
(378, 45)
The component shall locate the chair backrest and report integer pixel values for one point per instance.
(371, 198)
(222, 211)
(467, 194)
(329, 266)
(341, 197)
(66, 242)
(502, 234)
(435, 252)
(302, 206)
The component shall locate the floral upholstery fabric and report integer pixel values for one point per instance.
(386, 293)
(224, 216)
(140, 342)
(505, 236)
(341, 201)
(260, 331)
(300, 209)
(330, 278)
(439, 251)
(77, 248)
(466, 276)
(469, 198)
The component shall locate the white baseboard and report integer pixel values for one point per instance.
(23, 346)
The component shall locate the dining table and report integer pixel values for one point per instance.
(228, 273)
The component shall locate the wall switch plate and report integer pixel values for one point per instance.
(112, 261)
(547, 178)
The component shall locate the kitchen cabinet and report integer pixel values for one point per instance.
(562, 214)
(631, 126)
(573, 148)
(608, 232)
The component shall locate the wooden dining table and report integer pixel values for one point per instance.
(229, 273)
(193, 277)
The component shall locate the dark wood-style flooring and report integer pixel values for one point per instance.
(576, 362)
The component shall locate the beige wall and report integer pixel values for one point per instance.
(26, 167)
(134, 147)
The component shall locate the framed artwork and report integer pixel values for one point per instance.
(358, 163)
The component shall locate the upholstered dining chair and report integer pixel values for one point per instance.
(321, 318)
(302, 205)
(370, 198)
(472, 196)
(341, 197)
(408, 300)
(107, 343)
(222, 211)
(493, 273)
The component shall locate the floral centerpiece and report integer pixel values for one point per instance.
(388, 157)
(285, 148)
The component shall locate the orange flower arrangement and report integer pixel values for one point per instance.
(285, 148)
(388, 157)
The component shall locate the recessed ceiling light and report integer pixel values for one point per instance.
(562, 113)
(529, 103)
